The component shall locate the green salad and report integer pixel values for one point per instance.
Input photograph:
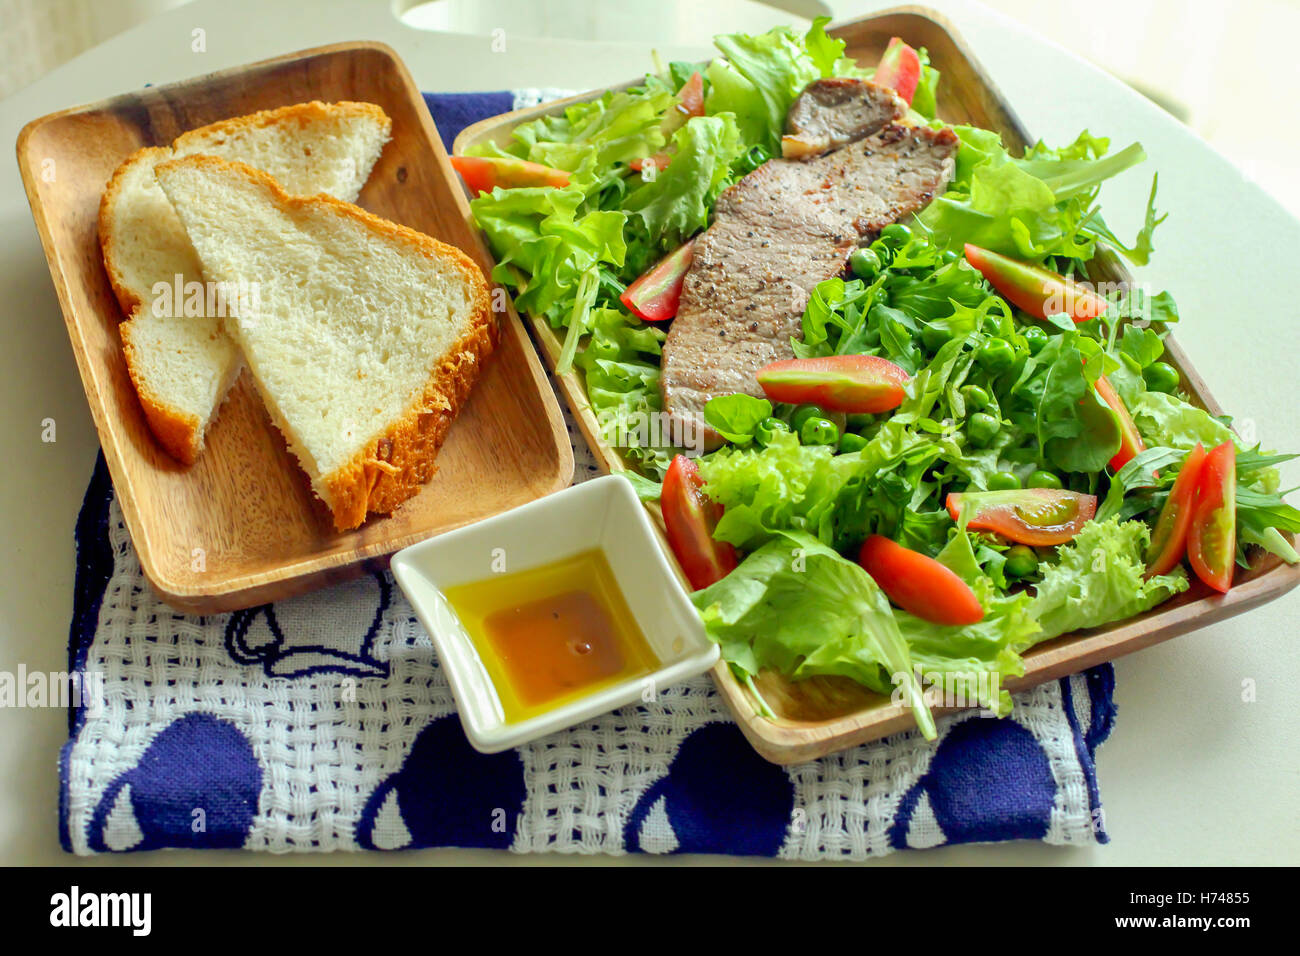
(1009, 492)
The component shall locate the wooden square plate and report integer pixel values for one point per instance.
(241, 526)
(822, 715)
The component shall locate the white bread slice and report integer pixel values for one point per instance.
(363, 337)
(183, 366)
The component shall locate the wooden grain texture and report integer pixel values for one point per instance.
(241, 526)
(820, 716)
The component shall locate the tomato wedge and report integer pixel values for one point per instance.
(689, 518)
(1169, 539)
(899, 69)
(690, 98)
(1033, 516)
(655, 294)
(1034, 289)
(1130, 442)
(855, 384)
(919, 584)
(482, 174)
(1212, 537)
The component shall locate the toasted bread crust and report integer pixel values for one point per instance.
(180, 434)
(301, 112)
(127, 299)
(393, 465)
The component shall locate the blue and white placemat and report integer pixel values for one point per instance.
(325, 723)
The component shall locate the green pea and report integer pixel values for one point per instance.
(850, 442)
(804, 412)
(976, 397)
(1036, 338)
(767, 428)
(1044, 479)
(864, 263)
(948, 256)
(818, 431)
(895, 235)
(934, 338)
(859, 420)
(995, 356)
(1022, 561)
(1004, 481)
(981, 428)
(1161, 377)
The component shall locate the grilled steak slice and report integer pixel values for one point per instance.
(834, 112)
(778, 232)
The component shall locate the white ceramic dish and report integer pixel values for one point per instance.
(603, 513)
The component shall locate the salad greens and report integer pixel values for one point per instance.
(996, 399)
(611, 223)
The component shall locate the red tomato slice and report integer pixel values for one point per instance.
(690, 517)
(1034, 289)
(655, 295)
(1212, 538)
(482, 174)
(1130, 442)
(855, 384)
(690, 98)
(899, 69)
(919, 584)
(1169, 539)
(1034, 516)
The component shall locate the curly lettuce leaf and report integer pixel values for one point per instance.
(615, 127)
(797, 607)
(735, 417)
(675, 205)
(1099, 578)
(758, 76)
(544, 244)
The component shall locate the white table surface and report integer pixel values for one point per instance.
(1191, 774)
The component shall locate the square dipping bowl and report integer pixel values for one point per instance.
(603, 514)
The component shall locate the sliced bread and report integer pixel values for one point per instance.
(364, 337)
(180, 361)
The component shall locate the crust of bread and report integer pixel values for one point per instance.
(392, 466)
(127, 299)
(302, 112)
(180, 434)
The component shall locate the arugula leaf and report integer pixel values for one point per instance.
(1138, 472)
(1034, 207)
(1142, 345)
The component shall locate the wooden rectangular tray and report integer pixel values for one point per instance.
(823, 715)
(241, 526)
